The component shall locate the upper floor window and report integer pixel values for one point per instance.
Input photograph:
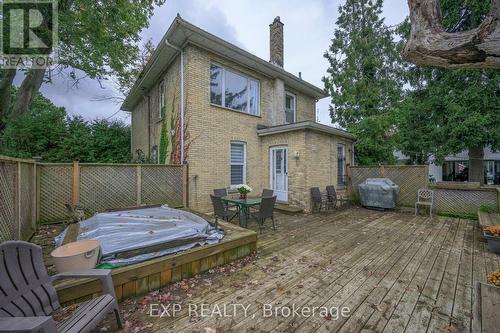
(233, 90)
(161, 100)
(290, 107)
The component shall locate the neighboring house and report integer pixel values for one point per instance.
(456, 167)
(234, 118)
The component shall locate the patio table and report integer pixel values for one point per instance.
(244, 205)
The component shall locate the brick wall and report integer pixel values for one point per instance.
(212, 128)
(140, 113)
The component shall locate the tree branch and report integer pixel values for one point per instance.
(429, 43)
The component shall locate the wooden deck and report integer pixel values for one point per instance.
(394, 271)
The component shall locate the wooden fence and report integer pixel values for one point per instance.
(32, 193)
(409, 178)
(461, 198)
(18, 192)
(458, 199)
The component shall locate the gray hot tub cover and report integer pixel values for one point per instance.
(133, 236)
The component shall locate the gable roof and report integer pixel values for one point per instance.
(181, 33)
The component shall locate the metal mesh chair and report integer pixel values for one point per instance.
(267, 193)
(332, 197)
(29, 297)
(221, 211)
(222, 192)
(317, 199)
(266, 210)
(425, 197)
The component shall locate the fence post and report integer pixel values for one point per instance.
(185, 187)
(76, 183)
(34, 198)
(138, 171)
(18, 203)
(37, 198)
(382, 171)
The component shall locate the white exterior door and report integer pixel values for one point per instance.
(279, 172)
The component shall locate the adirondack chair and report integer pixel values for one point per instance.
(28, 297)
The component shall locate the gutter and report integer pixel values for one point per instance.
(181, 50)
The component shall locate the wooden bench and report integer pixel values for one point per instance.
(488, 219)
(486, 309)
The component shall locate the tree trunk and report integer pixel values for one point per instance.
(6, 79)
(27, 91)
(476, 167)
(429, 44)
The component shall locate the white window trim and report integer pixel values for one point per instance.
(244, 162)
(223, 83)
(287, 93)
(161, 95)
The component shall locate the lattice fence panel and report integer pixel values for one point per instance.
(409, 179)
(8, 199)
(55, 191)
(105, 187)
(360, 174)
(463, 201)
(161, 185)
(28, 198)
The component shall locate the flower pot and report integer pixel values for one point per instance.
(493, 243)
(243, 195)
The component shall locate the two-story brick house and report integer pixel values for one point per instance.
(234, 118)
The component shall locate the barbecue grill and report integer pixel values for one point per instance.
(379, 193)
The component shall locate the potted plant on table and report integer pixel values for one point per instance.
(243, 190)
(492, 235)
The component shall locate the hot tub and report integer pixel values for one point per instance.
(132, 236)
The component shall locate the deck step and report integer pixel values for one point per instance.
(287, 209)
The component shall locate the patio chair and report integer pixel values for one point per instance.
(222, 192)
(425, 197)
(332, 197)
(29, 297)
(265, 193)
(221, 211)
(317, 199)
(266, 210)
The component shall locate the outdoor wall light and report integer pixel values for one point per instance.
(296, 155)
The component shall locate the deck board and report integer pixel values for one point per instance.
(396, 273)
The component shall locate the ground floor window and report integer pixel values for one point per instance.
(238, 163)
(341, 167)
(456, 171)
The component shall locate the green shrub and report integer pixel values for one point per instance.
(488, 208)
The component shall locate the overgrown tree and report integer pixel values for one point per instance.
(364, 79)
(450, 110)
(47, 131)
(97, 37)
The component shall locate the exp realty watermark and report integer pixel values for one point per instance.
(29, 33)
(228, 310)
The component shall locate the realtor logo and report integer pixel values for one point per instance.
(29, 33)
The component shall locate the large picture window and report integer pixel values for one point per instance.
(238, 163)
(233, 90)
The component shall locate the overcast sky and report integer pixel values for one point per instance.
(308, 28)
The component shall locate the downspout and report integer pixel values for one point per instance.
(182, 95)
